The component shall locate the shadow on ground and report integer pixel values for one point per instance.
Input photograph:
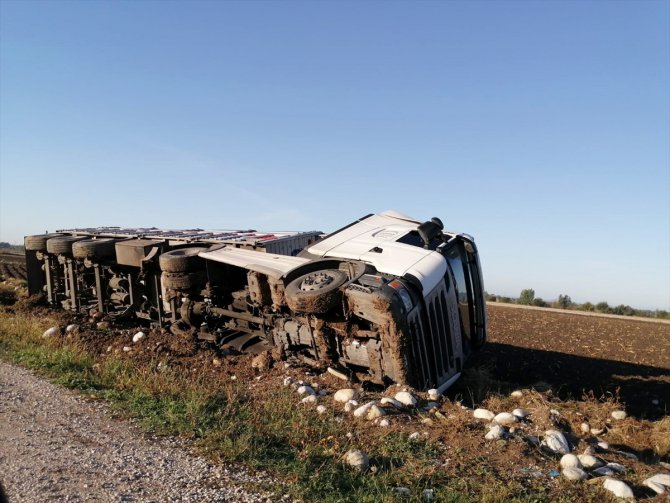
(638, 386)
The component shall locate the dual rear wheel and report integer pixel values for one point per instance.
(183, 269)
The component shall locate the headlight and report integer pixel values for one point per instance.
(404, 294)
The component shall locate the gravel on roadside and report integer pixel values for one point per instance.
(57, 446)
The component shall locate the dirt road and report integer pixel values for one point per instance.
(55, 446)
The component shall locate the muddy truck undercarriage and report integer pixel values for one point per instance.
(385, 299)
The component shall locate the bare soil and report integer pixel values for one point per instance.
(12, 265)
(575, 354)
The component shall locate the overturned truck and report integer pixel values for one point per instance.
(385, 299)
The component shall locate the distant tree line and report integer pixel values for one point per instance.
(8, 247)
(527, 298)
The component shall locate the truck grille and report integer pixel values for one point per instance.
(432, 347)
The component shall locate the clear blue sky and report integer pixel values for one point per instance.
(541, 128)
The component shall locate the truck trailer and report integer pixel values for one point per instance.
(386, 299)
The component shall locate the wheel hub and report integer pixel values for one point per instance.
(316, 281)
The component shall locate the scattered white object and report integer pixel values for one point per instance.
(363, 409)
(428, 494)
(617, 467)
(619, 415)
(139, 336)
(603, 471)
(655, 486)
(604, 446)
(554, 412)
(321, 409)
(597, 431)
(126, 349)
(505, 418)
(402, 490)
(391, 401)
(357, 459)
(574, 473)
(589, 461)
(309, 399)
(350, 405)
(405, 398)
(661, 478)
(375, 411)
(233, 377)
(570, 461)
(344, 395)
(338, 374)
(516, 394)
(415, 435)
(521, 413)
(50, 332)
(306, 390)
(433, 394)
(71, 328)
(585, 427)
(629, 455)
(288, 381)
(618, 488)
(484, 414)
(556, 441)
(495, 432)
(384, 423)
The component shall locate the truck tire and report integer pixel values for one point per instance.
(183, 280)
(38, 242)
(62, 245)
(94, 249)
(316, 292)
(181, 260)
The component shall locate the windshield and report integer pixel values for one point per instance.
(455, 259)
(464, 265)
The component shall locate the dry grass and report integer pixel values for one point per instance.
(11, 291)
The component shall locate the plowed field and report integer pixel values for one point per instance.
(12, 266)
(576, 354)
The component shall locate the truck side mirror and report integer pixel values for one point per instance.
(430, 230)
